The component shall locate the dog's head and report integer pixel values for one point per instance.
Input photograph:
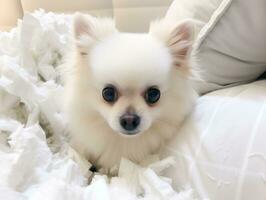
(131, 77)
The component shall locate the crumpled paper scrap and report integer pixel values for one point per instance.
(32, 170)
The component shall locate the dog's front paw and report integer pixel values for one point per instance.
(109, 171)
(103, 171)
(93, 169)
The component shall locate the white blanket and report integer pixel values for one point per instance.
(35, 159)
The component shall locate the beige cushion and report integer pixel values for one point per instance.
(130, 16)
(10, 11)
(67, 5)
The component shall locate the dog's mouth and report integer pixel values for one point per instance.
(126, 133)
(130, 133)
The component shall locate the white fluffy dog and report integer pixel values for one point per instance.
(127, 93)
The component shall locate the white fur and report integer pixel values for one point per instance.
(131, 62)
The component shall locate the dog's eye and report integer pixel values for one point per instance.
(110, 94)
(152, 95)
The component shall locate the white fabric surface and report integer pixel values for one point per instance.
(231, 48)
(221, 150)
(35, 160)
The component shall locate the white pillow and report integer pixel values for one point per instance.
(231, 48)
(200, 11)
(221, 151)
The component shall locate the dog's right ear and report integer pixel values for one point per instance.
(88, 30)
(82, 33)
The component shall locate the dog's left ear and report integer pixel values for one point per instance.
(179, 42)
(178, 38)
(89, 30)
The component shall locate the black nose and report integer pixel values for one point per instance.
(129, 121)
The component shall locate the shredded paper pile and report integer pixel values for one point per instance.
(36, 162)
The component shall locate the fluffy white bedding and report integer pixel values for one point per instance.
(35, 160)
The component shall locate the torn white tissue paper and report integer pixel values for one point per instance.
(35, 159)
